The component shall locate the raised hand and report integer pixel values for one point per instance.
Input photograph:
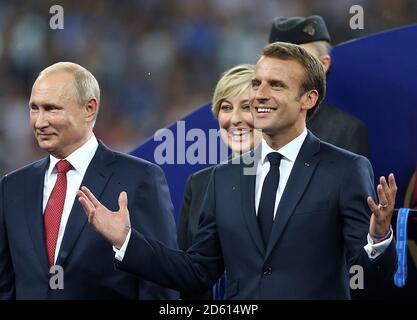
(382, 213)
(114, 226)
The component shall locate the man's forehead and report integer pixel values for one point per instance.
(58, 80)
(277, 68)
(53, 85)
(55, 78)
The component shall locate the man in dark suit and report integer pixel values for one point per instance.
(47, 248)
(288, 226)
(329, 124)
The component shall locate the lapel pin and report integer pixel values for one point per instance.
(306, 164)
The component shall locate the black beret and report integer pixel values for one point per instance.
(299, 30)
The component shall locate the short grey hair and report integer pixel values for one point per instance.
(322, 47)
(85, 84)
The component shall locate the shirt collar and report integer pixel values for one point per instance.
(80, 158)
(289, 151)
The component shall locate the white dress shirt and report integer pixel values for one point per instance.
(289, 152)
(79, 159)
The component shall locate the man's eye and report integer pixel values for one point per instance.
(255, 84)
(52, 109)
(277, 85)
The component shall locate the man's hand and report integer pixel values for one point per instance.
(382, 213)
(114, 226)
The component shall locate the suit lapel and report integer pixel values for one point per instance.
(96, 178)
(301, 173)
(247, 181)
(33, 210)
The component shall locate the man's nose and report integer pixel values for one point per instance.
(41, 120)
(262, 93)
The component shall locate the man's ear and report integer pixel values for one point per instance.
(326, 61)
(309, 99)
(91, 110)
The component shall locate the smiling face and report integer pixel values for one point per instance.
(59, 122)
(277, 107)
(236, 123)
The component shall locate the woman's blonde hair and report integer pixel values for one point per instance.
(232, 83)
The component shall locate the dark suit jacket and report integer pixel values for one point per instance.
(319, 231)
(195, 192)
(341, 129)
(86, 257)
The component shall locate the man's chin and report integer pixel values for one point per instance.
(46, 146)
(263, 128)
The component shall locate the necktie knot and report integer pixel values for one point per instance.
(63, 166)
(274, 158)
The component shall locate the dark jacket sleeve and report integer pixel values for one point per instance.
(190, 272)
(358, 184)
(188, 222)
(184, 218)
(7, 278)
(152, 212)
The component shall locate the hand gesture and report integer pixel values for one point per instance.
(114, 226)
(382, 213)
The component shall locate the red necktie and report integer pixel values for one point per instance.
(54, 208)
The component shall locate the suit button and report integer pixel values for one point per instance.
(267, 271)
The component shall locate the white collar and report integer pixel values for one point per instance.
(80, 158)
(289, 151)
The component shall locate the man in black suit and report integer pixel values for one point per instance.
(289, 227)
(43, 228)
(329, 124)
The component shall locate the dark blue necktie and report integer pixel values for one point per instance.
(268, 195)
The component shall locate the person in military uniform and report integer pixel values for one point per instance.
(329, 123)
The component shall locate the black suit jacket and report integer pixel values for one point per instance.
(341, 129)
(319, 231)
(195, 192)
(86, 257)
